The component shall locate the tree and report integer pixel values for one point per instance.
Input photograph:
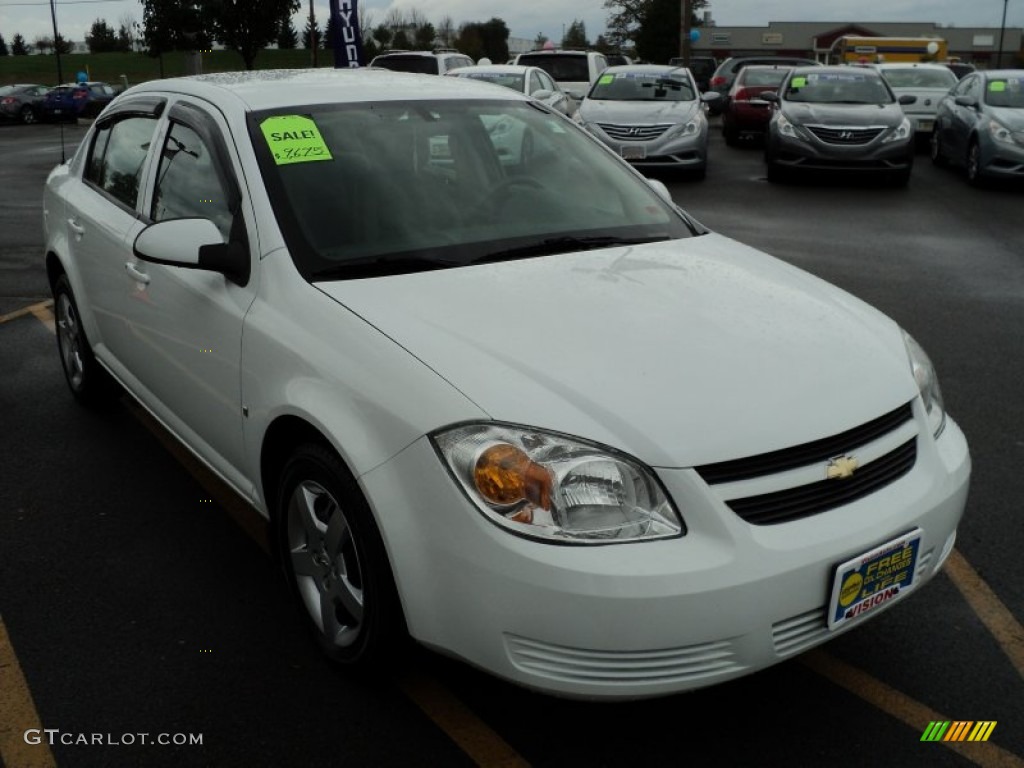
(401, 41)
(287, 37)
(61, 45)
(125, 39)
(3, 47)
(446, 33)
(603, 45)
(539, 40)
(18, 47)
(576, 36)
(653, 25)
(425, 35)
(382, 35)
(329, 32)
(174, 25)
(246, 26)
(488, 39)
(101, 38)
(43, 44)
(312, 37)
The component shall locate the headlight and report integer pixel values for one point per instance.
(900, 132)
(1000, 132)
(692, 128)
(556, 488)
(786, 128)
(927, 383)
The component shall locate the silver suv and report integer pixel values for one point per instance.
(422, 62)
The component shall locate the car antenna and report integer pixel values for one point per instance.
(60, 76)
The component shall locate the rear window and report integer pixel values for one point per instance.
(913, 77)
(563, 67)
(423, 65)
(772, 77)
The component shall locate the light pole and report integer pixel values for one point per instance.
(1002, 31)
(685, 20)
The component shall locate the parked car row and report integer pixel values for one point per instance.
(31, 102)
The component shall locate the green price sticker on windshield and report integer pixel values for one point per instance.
(798, 82)
(607, 79)
(294, 139)
(997, 86)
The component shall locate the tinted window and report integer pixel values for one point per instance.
(856, 87)
(511, 80)
(563, 67)
(1004, 92)
(118, 153)
(424, 65)
(187, 183)
(771, 77)
(915, 77)
(636, 86)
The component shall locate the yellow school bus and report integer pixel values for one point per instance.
(850, 49)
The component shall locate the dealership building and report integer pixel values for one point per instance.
(977, 45)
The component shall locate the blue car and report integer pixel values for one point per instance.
(74, 100)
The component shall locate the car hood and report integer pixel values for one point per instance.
(633, 112)
(680, 353)
(1010, 117)
(850, 115)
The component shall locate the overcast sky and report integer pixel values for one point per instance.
(527, 18)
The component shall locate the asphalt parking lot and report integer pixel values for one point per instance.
(136, 596)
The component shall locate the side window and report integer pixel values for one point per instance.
(964, 87)
(546, 82)
(118, 153)
(187, 182)
(535, 83)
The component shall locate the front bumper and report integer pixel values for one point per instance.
(1002, 160)
(644, 619)
(813, 154)
(687, 151)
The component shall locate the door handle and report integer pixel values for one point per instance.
(76, 227)
(141, 277)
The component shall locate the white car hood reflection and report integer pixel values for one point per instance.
(681, 353)
(639, 112)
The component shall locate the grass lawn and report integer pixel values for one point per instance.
(115, 68)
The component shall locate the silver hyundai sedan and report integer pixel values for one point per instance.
(653, 116)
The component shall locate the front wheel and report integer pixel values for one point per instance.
(89, 383)
(28, 115)
(335, 561)
(974, 176)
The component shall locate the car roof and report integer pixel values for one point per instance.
(278, 88)
(999, 74)
(909, 64)
(504, 69)
(650, 69)
(837, 69)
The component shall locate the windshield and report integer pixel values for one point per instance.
(513, 80)
(423, 65)
(913, 77)
(563, 68)
(1005, 92)
(406, 186)
(858, 87)
(643, 86)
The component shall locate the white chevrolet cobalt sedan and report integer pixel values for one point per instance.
(518, 406)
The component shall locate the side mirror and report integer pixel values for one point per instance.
(662, 191)
(772, 97)
(908, 98)
(193, 244)
(542, 95)
(966, 101)
(709, 97)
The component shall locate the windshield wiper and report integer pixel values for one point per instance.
(552, 245)
(374, 266)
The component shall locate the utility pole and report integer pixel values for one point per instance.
(1002, 31)
(686, 17)
(313, 42)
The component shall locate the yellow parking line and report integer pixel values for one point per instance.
(29, 310)
(44, 316)
(472, 735)
(1007, 631)
(907, 710)
(19, 714)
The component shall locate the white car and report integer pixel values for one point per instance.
(574, 71)
(928, 83)
(532, 415)
(532, 81)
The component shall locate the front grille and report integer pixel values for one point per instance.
(806, 500)
(808, 453)
(634, 132)
(845, 136)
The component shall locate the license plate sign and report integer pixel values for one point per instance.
(633, 153)
(925, 125)
(876, 578)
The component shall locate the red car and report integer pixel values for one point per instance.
(745, 112)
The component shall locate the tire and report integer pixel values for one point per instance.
(90, 384)
(732, 136)
(935, 151)
(973, 164)
(28, 115)
(335, 561)
(775, 173)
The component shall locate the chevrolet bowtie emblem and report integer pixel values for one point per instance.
(841, 467)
